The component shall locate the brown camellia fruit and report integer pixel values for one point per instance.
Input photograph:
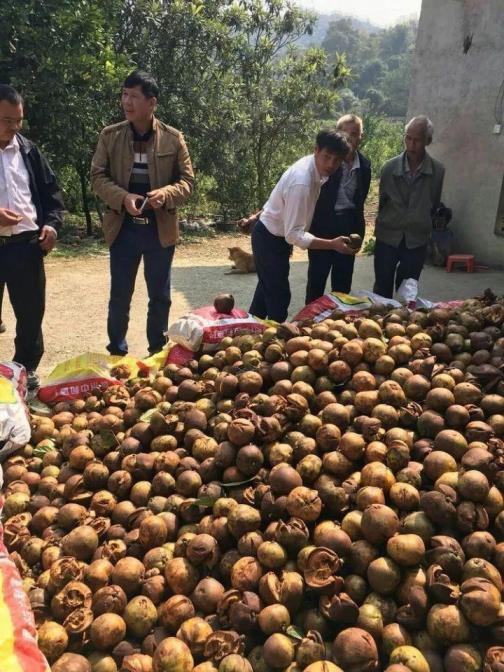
(354, 241)
(462, 658)
(195, 632)
(411, 657)
(379, 523)
(172, 655)
(128, 573)
(52, 639)
(80, 543)
(235, 663)
(140, 615)
(480, 601)
(181, 576)
(175, 611)
(447, 625)
(136, 662)
(304, 503)
(71, 662)
(107, 630)
(224, 303)
(355, 650)
(406, 549)
(278, 651)
(323, 666)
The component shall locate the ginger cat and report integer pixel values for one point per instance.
(243, 261)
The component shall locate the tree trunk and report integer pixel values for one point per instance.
(85, 200)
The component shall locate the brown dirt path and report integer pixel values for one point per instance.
(78, 288)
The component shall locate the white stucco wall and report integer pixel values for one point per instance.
(458, 91)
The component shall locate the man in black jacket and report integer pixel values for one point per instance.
(30, 216)
(339, 212)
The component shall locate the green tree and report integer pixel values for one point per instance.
(395, 88)
(60, 55)
(383, 139)
(342, 37)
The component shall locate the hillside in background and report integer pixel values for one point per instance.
(322, 25)
(379, 59)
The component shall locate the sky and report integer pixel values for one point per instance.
(381, 12)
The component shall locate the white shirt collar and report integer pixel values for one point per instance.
(318, 178)
(355, 164)
(12, 146)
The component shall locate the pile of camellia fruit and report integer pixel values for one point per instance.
(321, 497)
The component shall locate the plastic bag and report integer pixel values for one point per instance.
(322, 308)
(206, 326)
(14, 417)
(408, 292)
(18, 636)
(170, 354)
(377, 299)
(76, 377)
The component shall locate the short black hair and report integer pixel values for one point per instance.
(145, 81)
(334, 141)
(10, 95)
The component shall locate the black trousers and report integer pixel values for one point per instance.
(271, 256)
(321, 263)
(2, 289)
(392, 265)
(22, 271)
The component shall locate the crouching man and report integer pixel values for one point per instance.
(284, 221)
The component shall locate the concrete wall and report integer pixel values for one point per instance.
(458, 91)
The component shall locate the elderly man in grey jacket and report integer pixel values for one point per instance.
(410, 191)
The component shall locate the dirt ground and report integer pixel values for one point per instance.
(78, 288)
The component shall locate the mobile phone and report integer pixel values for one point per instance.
(144, 203)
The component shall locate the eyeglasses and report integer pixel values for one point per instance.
(13, 123)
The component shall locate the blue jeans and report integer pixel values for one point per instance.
(134, 242)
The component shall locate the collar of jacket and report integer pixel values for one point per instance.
(25, 145)
(364, 163)
(398, 168)
(155, 128)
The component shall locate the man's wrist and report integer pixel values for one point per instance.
(51, 228)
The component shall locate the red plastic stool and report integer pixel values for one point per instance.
(467, 259)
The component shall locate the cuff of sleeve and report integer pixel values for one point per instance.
(118, 201)
(303, 241)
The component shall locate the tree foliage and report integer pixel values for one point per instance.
(380, 63)
(230, 77)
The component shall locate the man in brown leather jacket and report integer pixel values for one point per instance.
(141, 169)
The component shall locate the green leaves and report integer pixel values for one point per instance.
(294, 632)
(230, 76)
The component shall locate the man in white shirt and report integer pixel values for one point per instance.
(284, 221)
(30, 216)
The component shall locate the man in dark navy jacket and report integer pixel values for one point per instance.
(30, 216)
(339, 212)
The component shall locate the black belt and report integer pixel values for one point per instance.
(25, 237)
